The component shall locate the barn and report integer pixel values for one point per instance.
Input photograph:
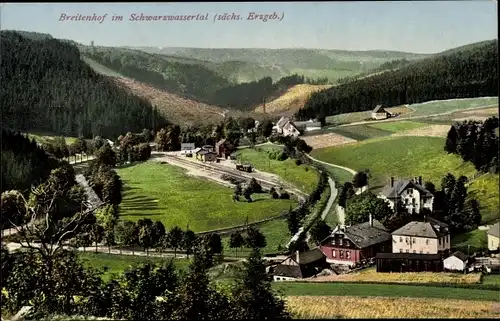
(456, 262)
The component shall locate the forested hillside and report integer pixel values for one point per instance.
(191, 80)
(471, 72)
(46, 87)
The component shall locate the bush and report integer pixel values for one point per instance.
(285, 196)
(298, 162)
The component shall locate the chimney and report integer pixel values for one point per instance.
(392, 181)
(420, 180)
(297, 256)
(371, 220)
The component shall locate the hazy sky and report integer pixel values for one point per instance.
(413, 26)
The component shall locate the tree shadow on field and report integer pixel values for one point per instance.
(140, 203)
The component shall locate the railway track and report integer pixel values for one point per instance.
(266, 184)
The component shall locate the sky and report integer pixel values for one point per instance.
(412, 26)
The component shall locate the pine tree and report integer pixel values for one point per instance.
(451, 141)
(252, 294)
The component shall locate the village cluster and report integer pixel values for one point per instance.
(419, 246)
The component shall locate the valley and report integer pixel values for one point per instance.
(162, 177)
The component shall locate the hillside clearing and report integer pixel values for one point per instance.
(40, 138)
(470, 242)
(303, 177)
(175, 108)
(353, 117)
(166, 193)
(334, 307)
(477, 114)
(292, 100)
(103, 70)
(327, 140)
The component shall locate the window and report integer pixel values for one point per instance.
(347, 254)
(341, 254)
(346, 242)
(413, 201)
(400, 239)
(406, 201)
(427, 242)
(414, 240)
(407, 239)
(407, 251)
(400, 250)
(410, 191)
(340, 241)
(334, 253)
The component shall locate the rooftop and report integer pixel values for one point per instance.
(363, 235)
(400, 186)
(430, 228)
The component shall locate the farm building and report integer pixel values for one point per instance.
(357, 243)
(408, 262)
(300, 265)
(380, 113)
(456, 262)
(206, 156)
(309, 125)
(494, 237)
(223, 149)
(409, 192)
(428, 237)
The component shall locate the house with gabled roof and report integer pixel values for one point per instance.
(286, 127)
(494, 237)
(380, 113)
(356, 243)
(223, 148)
(429, 236)
(409, 192)
(206, 156)
(457, 261)
(300, 265)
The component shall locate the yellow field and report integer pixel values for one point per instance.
(327, 140)
(325, 307)
(293, 99)
(428, 131)
(371, 275)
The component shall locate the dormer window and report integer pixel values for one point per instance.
(410, 191)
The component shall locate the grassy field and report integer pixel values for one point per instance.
(444, 106)
(360, 132)
(371, 275)
(363, 115)
(118, 263)
(353, 307)
(491, 279)
(167, 193)
(46, 138)
(276, 233)
(303, 177)
(477, 240)
(485, 189)
(397, 126)
(398, 157)
(384, 290)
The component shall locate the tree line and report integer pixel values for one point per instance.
(46, 87)
(467, 73)
(54, 280)
(475, 141)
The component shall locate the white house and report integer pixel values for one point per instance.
(410, 192)
(290, 130)
(494, 237)
(280, 124)
(456, 262)
(428, 237)
(379, 113)
(187, 148)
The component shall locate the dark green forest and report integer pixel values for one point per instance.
(45, 87)
(471, 72)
